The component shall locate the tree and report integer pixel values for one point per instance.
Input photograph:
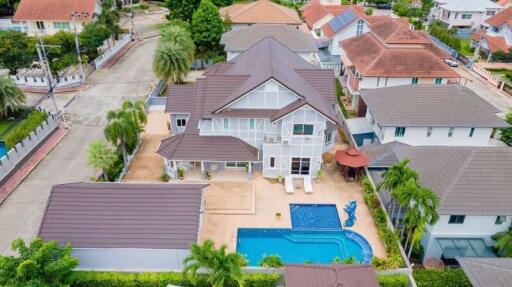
(63, 55)
(110, 18)
(223, 268)
(120, 130)
(11, 97)
(181, 9)
(506, 133)
(17, 51)
(503, 243)
(92, 37)
(181, 36)
(41, 264)
(222, 3)
(136, 110)
(100, 157)
(171, 63)
(207, 28)
(395, 177)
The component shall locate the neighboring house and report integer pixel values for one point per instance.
(391, 56)
(497, 35)
(267, 110)
(301, 43)
(48, 17)
(316, 14)
(259, 12)
(484, 272)
(6, 23)
(336, 275)
(463, 13)
(505, 3)
(473, 185)
(426, 115)
(125, 226)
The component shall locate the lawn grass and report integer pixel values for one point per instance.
(5, 126)
(465, 48)
(505, 74)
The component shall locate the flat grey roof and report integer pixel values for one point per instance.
(123, 215)
(430, 106)
(484, 272)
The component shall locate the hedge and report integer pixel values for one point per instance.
(114, 279)
(393, 280)
(441, 278)
(339, 97)
(25, 127)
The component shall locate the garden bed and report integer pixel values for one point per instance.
(441, 278)
(505, 74)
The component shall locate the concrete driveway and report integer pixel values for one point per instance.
(128, 79)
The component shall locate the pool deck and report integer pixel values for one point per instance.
(258, 200)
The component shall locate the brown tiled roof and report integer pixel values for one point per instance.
(485, 272)
(495, 44)
(180, 98)
(346, 275)
(261, 11)
(53, 10)
(123, 215)
(396, 31)
(372, 58)
(504, 16)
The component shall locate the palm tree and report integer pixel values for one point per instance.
(110, 18)
(100, 157)
(171, 62)
(179, 35)
(119, 130)
(11, 97)
(136, 110)
(503, 243)
(394, 177)
(223, 268)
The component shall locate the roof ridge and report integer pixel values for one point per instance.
(461, 170)
(282, 9)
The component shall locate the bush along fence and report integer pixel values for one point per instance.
(112, 51)
(25, 138)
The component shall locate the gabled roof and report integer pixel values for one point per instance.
(260, 11)
(239, 40)
(123, 215)
(396, 31)
(53, 10)
(431, 106)
(346, 275)
(372, 57)
(503, 17)
(315, 11)
(340, 22)
(483, 272)
(469, 5)
(468, 180)
(495, 43)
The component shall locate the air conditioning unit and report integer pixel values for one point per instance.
(287, 141)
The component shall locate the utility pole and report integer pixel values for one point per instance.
(77, 45)
(131, 16)
(43, 58)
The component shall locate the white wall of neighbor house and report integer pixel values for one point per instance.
(379, 82)
(439, 136)
(317, 26)
(309, 57)
(347, 33)
(50, 27)
(473, 227)
(130, 259)
(471, 19)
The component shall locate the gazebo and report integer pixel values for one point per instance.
(352, 163)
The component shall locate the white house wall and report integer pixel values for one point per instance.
(309, 57)
(379, 82)
(417, 136)
(270, 95)
(347, 33)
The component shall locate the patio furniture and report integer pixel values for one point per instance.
(308, 188)
(352, 163)
(288, 183)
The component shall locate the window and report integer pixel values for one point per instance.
(61, 25)
(272, 162)
(226, 124)
(300, 165)
(414, 81)
(495, 29)
(236, 164)
(438, 81)
(450, 132)
(328, 137)
(456, 219)
(471, 132)
(252, 124)
(399, 131)
(466, 16)
(429, 132)
(500, 219)
(40, 25)
(181, 122)
(490, 13)
(302, 130)
(360, 26)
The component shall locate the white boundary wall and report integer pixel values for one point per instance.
(103, 58)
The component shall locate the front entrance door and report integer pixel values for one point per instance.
(300, 165)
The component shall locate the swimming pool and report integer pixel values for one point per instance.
(3, 149)
(315, 216)
(300, 246)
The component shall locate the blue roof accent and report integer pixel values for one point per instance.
(343, 20)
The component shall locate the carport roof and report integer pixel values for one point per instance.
(123, 215)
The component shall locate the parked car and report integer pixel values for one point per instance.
(384, 6)
(451, 62)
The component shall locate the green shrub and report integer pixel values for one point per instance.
(144, 6)
(113, 279)
(25, 127)
(271, 261)
(393, 280)
(115, 170)
(441, 278)
(339, 97)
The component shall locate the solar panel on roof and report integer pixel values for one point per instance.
(343, 20)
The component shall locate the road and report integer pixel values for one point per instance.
(128, 79)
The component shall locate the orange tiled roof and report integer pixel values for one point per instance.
(396, 31)
(505, 3)
(262, 12)
(496, 44)
(372, 58)
(504, 16)
(53, 10)
(314, 11)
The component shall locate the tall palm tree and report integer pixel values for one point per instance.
(136, 110)
(179, 35)
(11, 97)
(110, 18)
(120, 130)
(171, 62)
(223, 268)
(100, 157)
(503, 243)
(394, 177)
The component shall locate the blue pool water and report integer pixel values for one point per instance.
(3, 149)
(315, 216)
(300, 246)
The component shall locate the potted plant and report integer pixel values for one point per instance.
(318, 175)
(278, 215)
(181, 173)
(280, 178)
(207, 175)
(165, 177)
